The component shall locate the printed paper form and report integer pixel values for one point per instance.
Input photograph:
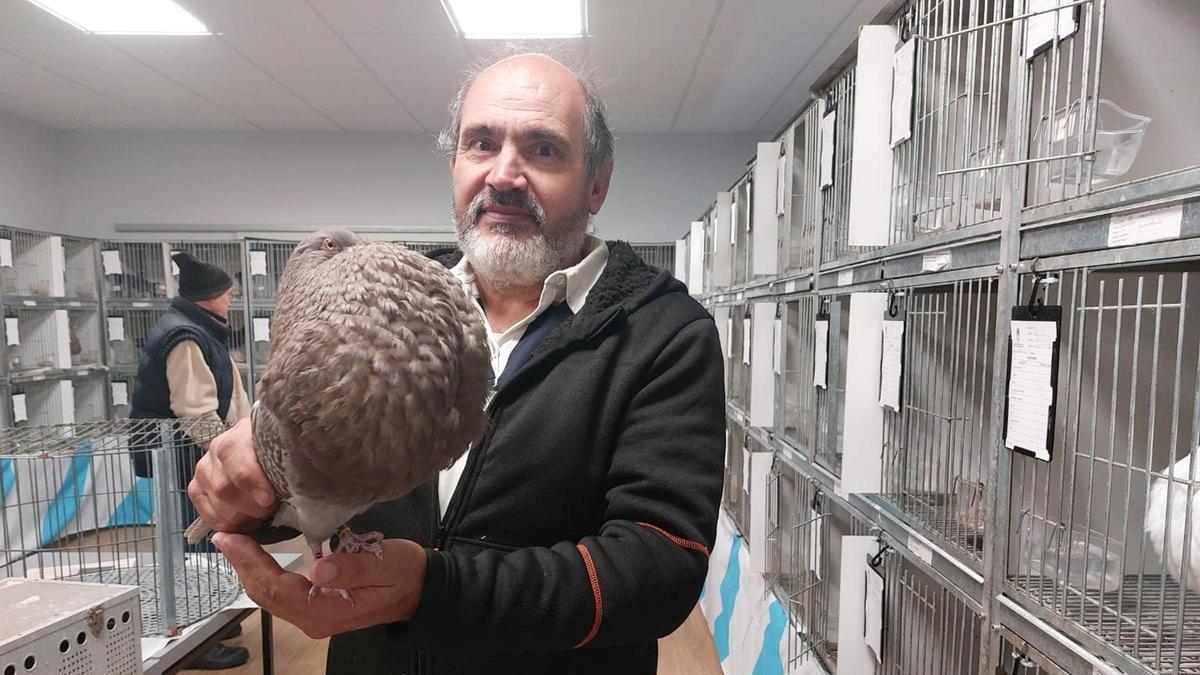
(6, 259)
(1030, 393)
(262, 329)
(873, 617)
(777, 344)
(828, 124)
(1139, 228)
(20, 414)
(820, 353)
(258, 263)
(902, 91)
(116, 328)
(111, 261)
(12, 331)
(120, 393)
(891, 364)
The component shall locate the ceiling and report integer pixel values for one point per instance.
(392, 65)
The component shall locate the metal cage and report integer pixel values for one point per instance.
(28, 272)
(41, 402)
(830, 418)
(134, 270)
(796, 396)
(835, 199)
(106, 502)
(804, 204)
(936, 446)
(90, 398)
(708, 283)
(35, 345)
(737, 474)
(741, 216)
(84, 339)
(135, 326)
(79, 259)
(1126, 427)
(226, 255)
(738, 391)
(661, 256)
(266, 262)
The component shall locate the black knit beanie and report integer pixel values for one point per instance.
(199, 280)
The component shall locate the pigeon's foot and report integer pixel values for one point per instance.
(349, 542)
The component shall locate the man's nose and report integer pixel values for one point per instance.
(508, 171)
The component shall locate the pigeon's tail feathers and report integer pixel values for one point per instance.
(197, 531)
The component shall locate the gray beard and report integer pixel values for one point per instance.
(505, 261)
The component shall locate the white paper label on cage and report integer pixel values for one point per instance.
(111, 261)
(777, 345)
(29, 303)
(6, 253)
(873, 613)
(733, 209)
(1139, 228)
(20, 414)
(828, 124)
(845, 278)
(745, 470)
(12, 331)
(746, 341)
(258, 263)
(116, 328)
(903, 63)
(790, 286)
(820, 353)
(1046, 27)
(729, 338)
(120, 393)
(935, 261)
(781, 185)
(262, 329)
(891, 366)
(920, 549)
(814, 543)
(1030, 393)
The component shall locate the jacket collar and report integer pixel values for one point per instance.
(202, 317)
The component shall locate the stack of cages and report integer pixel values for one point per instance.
(937, 443)
(228, 256)
(106, 502)
(944, 174)
(265, 262)
(137, 284)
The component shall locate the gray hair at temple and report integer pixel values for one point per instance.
(598, 138)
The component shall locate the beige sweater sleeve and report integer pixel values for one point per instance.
(193, 387)
(239, 403)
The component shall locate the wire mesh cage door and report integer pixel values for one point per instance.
(927, 629)
(84, 338)
(32, 336)
(936, 446)
(266, 262)
(91, 401)
(106, 502)
(804, 584)
(944, 176)
(830, 397)
(796, 401)
(805, 210)
(739, 369)
(1019, 658)
(79, 256)
(134, 270)
(661, 256)
(127, 330)
(1103, 535)
(835, 199)
(27, 272)
(708, 283)
(739, 236)
(735, 454)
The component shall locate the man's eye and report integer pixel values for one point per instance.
(545, 150)
(481, 144)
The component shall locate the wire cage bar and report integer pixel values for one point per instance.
(661, 256)
(238, 336)
(710, 224)
(106, 502)
(79, 260)
(738, 391)
(91, 401)
(796, 398)
(132, 326)
(835, 199)
(737, 474)
(27, 271)
(804, 210)
(266, 263)
(943, 176)
(936, 446)
(1103, 536)
(84, 337)
(830, 418)
(741, 216)
(927, 629)
(134, 270)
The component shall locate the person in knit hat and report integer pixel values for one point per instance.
(185, 371)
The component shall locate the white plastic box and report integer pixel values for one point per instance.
(68, 627)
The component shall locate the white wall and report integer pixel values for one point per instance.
(254, 181)
(29, 175)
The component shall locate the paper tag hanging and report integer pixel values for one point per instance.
(1032, 381)
(873, 616)
(174, 267)
(258, 263)
(777, 344)
(120, 393)
(828, 137)
(111, 261)
(903, 65)
(6, 257)
(12, 331)
(262, 329)
(116, 328)
(820, 352)
(20, 413)
(891, 367)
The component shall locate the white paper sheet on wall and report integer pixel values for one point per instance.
(828, 133)
(120, 393)
(12, 331)
(873, 614)
(116, 328)
(1030, 392)
(820, 353)
(6, 259)
(891, 364)
(20, 413)
(258, 263)
(777, 347)
(903, 63)
(111, 261)
(1044, 28)
(262, 329)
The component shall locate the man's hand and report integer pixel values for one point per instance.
(229, 489)
(385, 590)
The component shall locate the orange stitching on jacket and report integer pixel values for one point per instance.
(686, 543)
(591, 570)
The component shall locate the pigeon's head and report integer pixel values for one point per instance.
(325, 244)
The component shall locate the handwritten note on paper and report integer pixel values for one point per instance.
(814, 542)
(1147, 226)
(845, 278)
(12, 331)
(6, 259)
(1044, 28)
(258, 263)
(828, 125)
(935, 261)
(873, 613)
(262, 329)
(20, 413)
(746, 341)
(1030, 388)
(821, 353)
(111, 261)
(891, 367)
(120, 393)
(116, 328)
(777, 344)
(903, 64)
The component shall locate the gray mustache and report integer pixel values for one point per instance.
(511, 198)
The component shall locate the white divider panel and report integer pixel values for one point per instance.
(870, 208)
(695, 276)
(722, 260)
(681, 259)
(863, 445)
(62, 339)
(764, 234)
(760, 469)
(762, 376)
(854, 657)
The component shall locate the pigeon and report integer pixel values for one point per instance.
(378, 378)
(1174, 487)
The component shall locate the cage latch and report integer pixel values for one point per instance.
(95, 620)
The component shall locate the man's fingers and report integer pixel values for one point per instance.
(264, 580)
(359, 570)
(233, 476)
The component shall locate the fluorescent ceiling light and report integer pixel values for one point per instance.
(125, 17)
(516, 19)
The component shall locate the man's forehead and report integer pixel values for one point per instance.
(525, 88)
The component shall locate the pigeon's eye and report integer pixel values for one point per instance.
(328, 245)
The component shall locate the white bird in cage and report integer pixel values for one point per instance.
(377, 380)
(1174, 488)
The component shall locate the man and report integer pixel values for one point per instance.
(576, 531)
(185, 372)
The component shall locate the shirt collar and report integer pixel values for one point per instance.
(571, 284)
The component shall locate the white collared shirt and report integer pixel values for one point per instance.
(570, 285)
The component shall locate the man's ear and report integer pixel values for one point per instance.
(599, 191)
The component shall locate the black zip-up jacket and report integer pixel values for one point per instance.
(580, 529)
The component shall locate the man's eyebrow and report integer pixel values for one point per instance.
(477, 130)
(544, 134)
(532, 133)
